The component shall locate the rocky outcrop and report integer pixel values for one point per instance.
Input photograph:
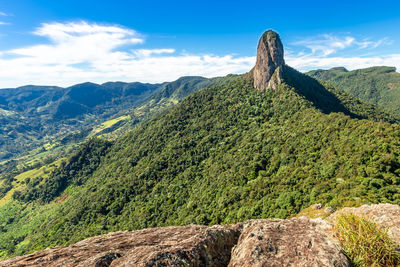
(297, 241)
(191, 245)
(292, 242)
(267, 73)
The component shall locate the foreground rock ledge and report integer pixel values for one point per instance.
(265, 242)
(293, 242)
(191, 245)
(268, 242)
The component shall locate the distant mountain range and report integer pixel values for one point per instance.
(31, 116)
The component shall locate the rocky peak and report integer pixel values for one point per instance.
(267, 72)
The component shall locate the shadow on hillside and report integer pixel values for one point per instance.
(315, 92)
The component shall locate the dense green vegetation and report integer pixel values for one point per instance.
(377, 85)
(76, 171)
(225, 154)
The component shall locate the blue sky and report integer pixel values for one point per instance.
(66, 42)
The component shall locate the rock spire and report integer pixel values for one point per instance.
(267, 72)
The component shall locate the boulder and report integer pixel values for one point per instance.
(292, 242)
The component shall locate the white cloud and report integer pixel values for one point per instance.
(327, 44)
(149, 52)
(81, 51)
(327, 51)
(373, 44)
(59, 32)
(310, 62)
(2, 22)
(75, 43)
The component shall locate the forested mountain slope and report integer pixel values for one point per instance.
(377, 85)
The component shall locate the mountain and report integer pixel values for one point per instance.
(227, 153)
(54, 111)
(63, 114)
(377, 85)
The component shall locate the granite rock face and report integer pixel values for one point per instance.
(191, 245)
(267, 242)
(291, 242)
(267, 73)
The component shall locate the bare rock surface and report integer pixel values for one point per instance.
(291, 242)
(297, 241)
(273, 242)
(191, 245)
(267, 72)
(386, 216)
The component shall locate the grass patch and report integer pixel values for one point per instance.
(42, 171)
(109, 123)
(20, 179)
(365, 243)
(313, 212)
